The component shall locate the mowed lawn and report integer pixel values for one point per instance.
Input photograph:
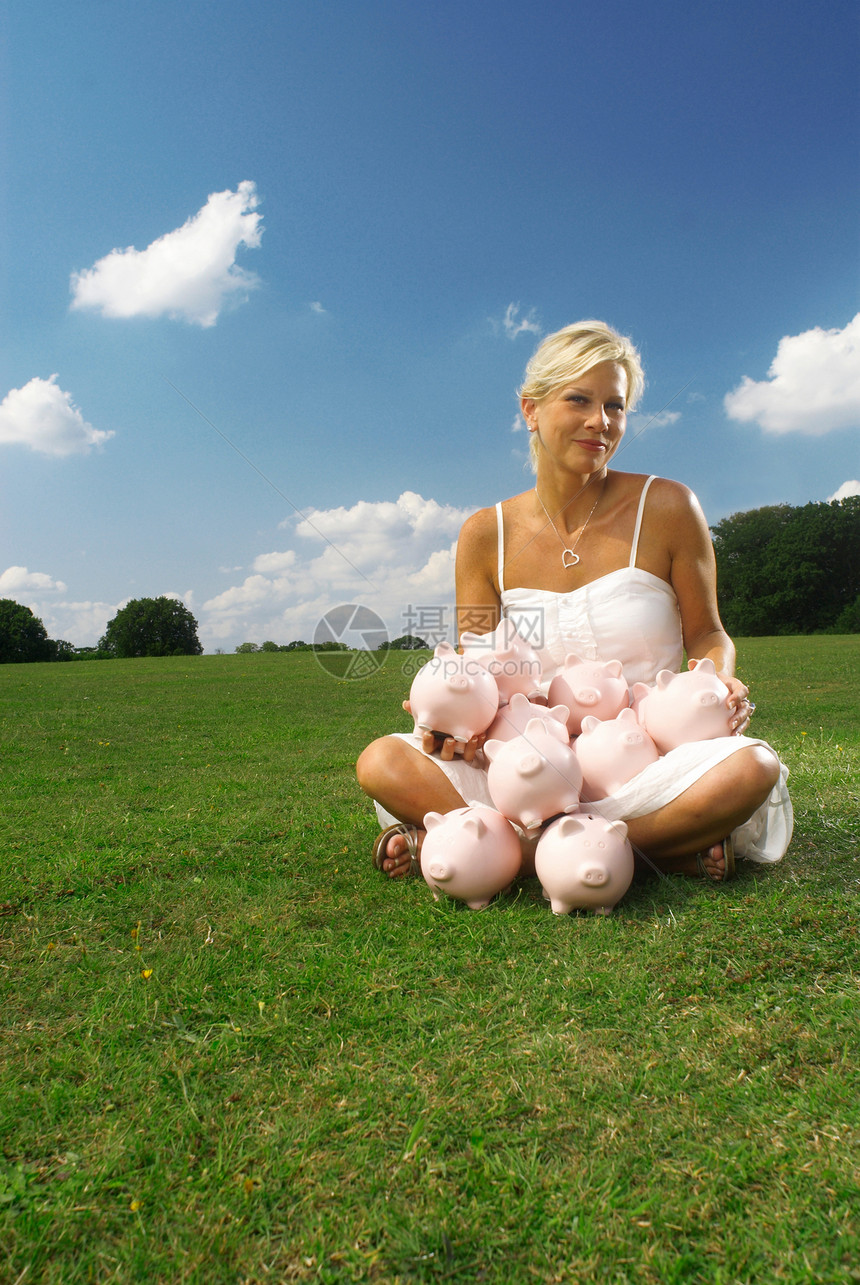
(232, 1052)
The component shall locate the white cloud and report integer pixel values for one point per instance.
(513, 325)
(813, 385)
(188, 274)
(318, 308)
(393, 556)
(273, 563)
(41, 416)
(80, 623)
(519, 424)
(18, 580)
(846, 489)
(640, 420)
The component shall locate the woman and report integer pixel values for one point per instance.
(607, 565)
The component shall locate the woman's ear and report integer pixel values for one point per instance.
(527, 405)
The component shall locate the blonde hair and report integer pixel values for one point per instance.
(565, 356)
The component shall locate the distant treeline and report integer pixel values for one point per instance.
(407, 642)
(790, 570)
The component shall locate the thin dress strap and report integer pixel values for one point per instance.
(501, 529)
(634, 548)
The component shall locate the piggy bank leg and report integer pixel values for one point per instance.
(603, 910)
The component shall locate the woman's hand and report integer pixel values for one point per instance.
(739, 704)
(446, 746)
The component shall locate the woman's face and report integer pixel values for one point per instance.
(581, 425)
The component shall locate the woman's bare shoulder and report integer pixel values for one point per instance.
(669, 498)
(483, 525)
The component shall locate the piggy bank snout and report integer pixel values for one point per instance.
(458, 683)
(587, 695)
(529, 764)
(595, 876)
(439, 870)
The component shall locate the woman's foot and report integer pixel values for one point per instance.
(396, 850)
(716, 863)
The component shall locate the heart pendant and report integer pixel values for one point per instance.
(569, 558)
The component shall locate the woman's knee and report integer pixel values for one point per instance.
(376, 764)
(757, 771)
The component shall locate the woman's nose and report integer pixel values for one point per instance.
(599, 418)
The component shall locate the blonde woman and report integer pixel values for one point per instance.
(610, 566)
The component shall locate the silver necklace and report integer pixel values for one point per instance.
(568, 557)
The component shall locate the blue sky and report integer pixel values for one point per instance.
(351, 223)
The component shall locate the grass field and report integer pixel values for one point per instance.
(233, 1052)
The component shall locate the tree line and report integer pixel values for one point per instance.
(143, 627)
(787, 569)
(782, 569)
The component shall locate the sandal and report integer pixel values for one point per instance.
(728, 860)
(380, 847)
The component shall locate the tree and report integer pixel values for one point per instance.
(23, 637)
(787, 570)
(406, 642)
(62, 650)
(152, 627)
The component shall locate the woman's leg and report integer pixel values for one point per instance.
(701, 817)
(408, 785)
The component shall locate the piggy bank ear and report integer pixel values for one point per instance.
(628, 716)
(617, 827)
(569, 826)
(613, 667)
(444, 649)
(571, 659)
(664, 678)
(491, 748)
(432, 819)
(473, 823)
(535, 728)
(589, 723)
(706, 665)
(560, 713)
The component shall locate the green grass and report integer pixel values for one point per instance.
(232, 1052)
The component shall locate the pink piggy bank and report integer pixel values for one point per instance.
(684, 707)
(511, 719)
(610, 753)
(470, 854)
(584, 863)
(534, 776)
(508, 657)
(589, 687)
(454, 695)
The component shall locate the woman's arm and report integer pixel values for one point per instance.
(479, 607)
(694, 578)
